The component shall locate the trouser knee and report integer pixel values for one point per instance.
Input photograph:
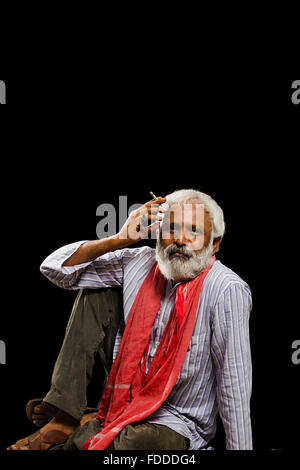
(95, 319)
(106, 307)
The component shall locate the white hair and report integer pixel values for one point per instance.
(214, 210)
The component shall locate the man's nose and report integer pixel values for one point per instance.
(182, 238)
(179, 242)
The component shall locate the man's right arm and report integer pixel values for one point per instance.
(90, 250)
(94, 263)
(132, 231)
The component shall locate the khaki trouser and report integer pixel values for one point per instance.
(91, 330)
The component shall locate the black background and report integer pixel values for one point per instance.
(71, 141)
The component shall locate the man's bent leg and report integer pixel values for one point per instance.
(148, 436)
(91, 329)
(136, 436)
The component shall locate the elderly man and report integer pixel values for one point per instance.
(177, 355)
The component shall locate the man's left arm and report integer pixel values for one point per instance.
(230, 347)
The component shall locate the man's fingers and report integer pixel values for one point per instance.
(145, 219)
(152, 208)
(150, 215)
(155, 209)
(153, 227)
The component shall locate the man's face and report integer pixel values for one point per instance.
(184, 247)
(186, 225)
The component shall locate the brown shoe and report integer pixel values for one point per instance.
(40, 441)
(22, 442)
(47, 440)
(56, 432)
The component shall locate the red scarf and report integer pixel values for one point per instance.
(131, 395)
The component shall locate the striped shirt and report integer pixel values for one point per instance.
(216, 375)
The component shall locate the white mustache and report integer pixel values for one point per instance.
(172, 249)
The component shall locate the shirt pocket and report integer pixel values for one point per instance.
(198, 347)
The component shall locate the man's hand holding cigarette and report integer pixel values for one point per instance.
(143, 221)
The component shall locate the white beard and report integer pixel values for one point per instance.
(182, 268)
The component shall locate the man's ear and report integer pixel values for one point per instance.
(216, 244)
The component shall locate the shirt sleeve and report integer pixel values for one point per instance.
(230, 348)
(105, 271)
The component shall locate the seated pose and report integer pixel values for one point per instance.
(171, 325)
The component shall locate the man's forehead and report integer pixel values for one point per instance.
(187, 209)
(189, 204)
(191, 213)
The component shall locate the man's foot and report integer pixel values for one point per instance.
(40, 412)
(57, 431)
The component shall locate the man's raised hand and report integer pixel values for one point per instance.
(142, 221)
